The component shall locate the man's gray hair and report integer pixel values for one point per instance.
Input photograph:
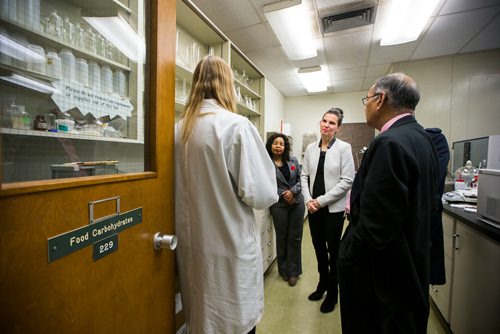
(401, 91)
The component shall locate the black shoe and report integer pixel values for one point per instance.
(328, 305)
(318, 294)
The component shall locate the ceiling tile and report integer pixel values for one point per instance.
(253, 38)
(271, 61)
(229, 14)
(343, 86)
(377, 70)
(450, 33)
(347, 50)
(457, 6)
(347, 73)
(488, 38)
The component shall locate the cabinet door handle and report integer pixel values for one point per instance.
(456, 241)
(434, 289)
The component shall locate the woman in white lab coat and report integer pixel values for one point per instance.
(222, 171)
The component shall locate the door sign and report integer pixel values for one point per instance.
(101, 233)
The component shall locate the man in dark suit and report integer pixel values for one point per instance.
(384, 254)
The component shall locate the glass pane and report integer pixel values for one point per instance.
(72, 82)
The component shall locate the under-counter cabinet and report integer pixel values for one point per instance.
(265, 228)
(470, 300)
(441, 294)
(476, 283)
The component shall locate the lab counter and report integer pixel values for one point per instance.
(472, 221)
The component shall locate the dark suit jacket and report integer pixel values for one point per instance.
(384, 254)
(293, 185)
(437, 275)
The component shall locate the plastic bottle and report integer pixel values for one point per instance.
(68, 64)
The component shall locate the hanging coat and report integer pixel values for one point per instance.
(221, 173)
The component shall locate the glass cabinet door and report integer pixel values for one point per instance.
(72, 87)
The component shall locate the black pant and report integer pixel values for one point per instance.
(326, 230)
(252, 331)
(288, 224)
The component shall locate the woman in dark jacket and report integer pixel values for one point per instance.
(288, 212)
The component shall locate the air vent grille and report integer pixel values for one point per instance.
(348, 20)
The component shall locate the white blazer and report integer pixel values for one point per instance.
(339, 174)
(221, 173)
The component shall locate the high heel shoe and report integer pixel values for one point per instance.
(328, 304)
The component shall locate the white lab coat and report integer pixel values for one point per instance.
(220, 175)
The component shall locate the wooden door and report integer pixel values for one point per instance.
(130, 290)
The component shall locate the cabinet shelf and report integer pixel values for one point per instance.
(245, 90)
(245, 111)
(8, 70)
(66, 135)
(101, 7)
(50, 41)
(182, 72)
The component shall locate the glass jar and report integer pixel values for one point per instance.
(467, 173)
(56, 25)
(40, 123)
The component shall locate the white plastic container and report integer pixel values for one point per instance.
(68, 65)
(37, 65)
(82, 71)
(94, 75)
(120, 83)
(106, 79)
(4, 57)
(53, 67)
(28, 13)
(65, 125)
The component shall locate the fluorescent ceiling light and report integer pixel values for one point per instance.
(29, 83)
(290, 23)
(406, 20)
(313, 79)
(16, 50)
(116, 30)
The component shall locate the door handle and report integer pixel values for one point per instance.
(162, 240)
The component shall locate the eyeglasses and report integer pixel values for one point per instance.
(365, 99)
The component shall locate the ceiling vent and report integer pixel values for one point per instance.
(352, 19)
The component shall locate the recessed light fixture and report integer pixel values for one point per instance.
(406, 20)
(290, 23)
(313, 79)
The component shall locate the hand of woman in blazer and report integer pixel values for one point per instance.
(288, 197)
(313, 206)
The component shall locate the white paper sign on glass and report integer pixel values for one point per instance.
(72, 94)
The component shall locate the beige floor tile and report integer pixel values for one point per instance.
(287, 309)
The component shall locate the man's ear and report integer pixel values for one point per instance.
(381, 99)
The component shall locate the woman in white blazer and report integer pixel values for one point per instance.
(327, 175)
(222, 171)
